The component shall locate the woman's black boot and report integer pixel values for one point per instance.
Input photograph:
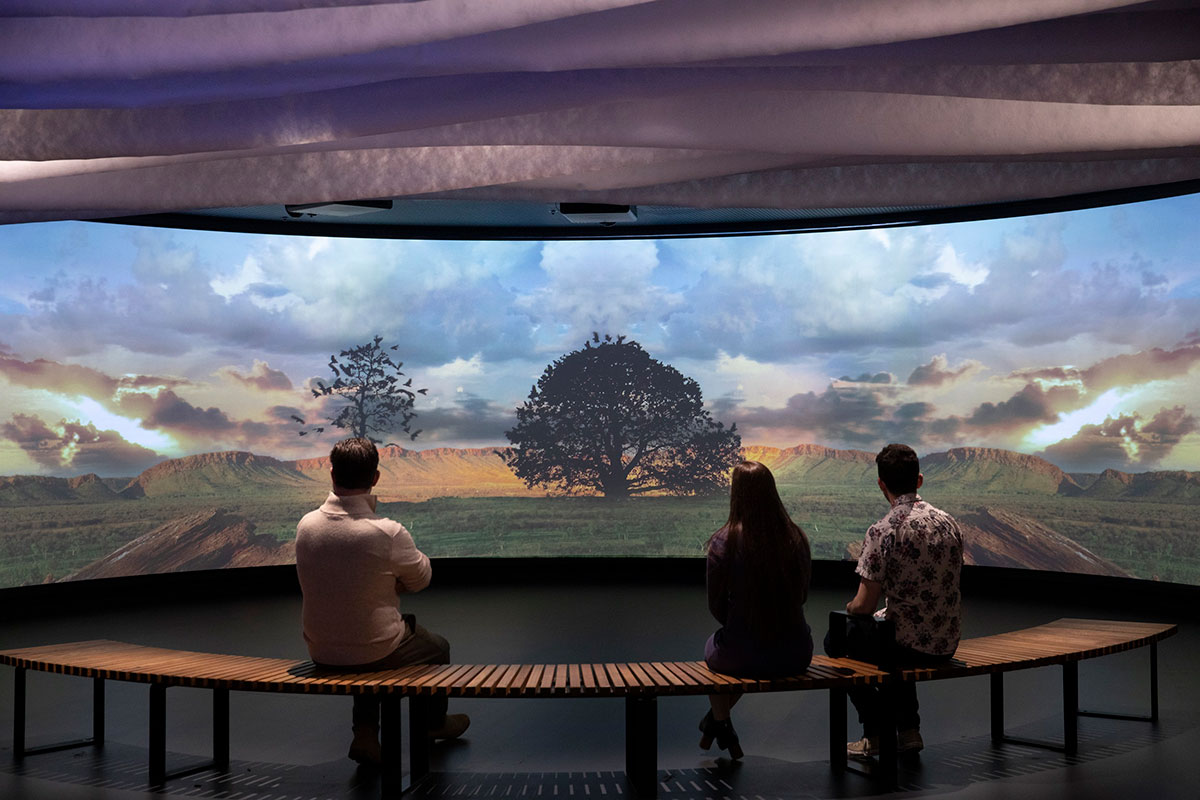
(723, 732)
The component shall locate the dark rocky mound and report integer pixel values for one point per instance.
(212, 539)
(994, 537)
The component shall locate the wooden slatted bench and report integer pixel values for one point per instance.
(640, 684)
(1064, 642)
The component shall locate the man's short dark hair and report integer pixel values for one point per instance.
(354, 462)
(899, 468)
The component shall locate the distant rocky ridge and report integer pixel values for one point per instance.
(211, 539)
(214, 474)
(992, 468)
(415, 475)
(422, 474)
(995, 537)
(1172, 485)
(41, 489)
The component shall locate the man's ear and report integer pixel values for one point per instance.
(331, 480)
(376, 480)
(920, 480)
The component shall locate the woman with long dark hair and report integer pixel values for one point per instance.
(759, 566)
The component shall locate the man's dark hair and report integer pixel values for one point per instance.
(899, 468)
(354, 462)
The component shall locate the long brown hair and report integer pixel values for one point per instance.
(772, 548)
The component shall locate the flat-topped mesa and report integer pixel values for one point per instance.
(774, 457)
(238, 458)
(1008, 458)
(392, 452)
(1165, 485)
(18, 490)
(213, 473)
(1005, 468)
(415, 475)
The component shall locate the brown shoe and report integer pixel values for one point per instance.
(454, 726)
(365, 747)
(909, 741)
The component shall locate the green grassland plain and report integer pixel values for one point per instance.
(1148, 538)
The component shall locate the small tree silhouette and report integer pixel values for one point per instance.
(368, 379)
(613, 420)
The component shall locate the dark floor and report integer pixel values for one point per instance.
(288, 746)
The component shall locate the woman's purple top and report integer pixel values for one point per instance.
(734, 649)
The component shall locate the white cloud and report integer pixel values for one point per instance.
(607, 287)
(457, 369)
(950, 263)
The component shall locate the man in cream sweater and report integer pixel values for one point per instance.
(352, 564)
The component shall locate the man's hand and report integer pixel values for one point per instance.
(867, 599)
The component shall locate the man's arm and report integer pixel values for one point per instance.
(411, 566)
(867, 599)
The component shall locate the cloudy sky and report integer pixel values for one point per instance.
(1072, 336)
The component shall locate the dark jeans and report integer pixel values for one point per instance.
(421, 646)
(868, 700)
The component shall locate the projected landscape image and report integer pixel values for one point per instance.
(168, 398)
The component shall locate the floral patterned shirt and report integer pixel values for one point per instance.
(916, 552)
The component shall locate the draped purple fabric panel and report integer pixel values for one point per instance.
(112, 107)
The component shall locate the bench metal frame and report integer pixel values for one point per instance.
(1071, 710)
(420, 684)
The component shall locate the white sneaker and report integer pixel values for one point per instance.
(862, 750)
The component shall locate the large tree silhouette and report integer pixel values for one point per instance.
(610, 419)
(374, 401)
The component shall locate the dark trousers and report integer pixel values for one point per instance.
(868, 700)
(421, 646)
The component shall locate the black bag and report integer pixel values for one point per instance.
(861, 637)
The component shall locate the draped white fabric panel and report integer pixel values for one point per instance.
(111, 107)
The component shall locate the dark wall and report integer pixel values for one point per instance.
(1102, 594)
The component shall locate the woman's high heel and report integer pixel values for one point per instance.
(723, 732)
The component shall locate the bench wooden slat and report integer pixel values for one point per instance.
(587, 679)
(574, 678)
(546, 684)
(603, 685)
(516, 684)
(498, 681)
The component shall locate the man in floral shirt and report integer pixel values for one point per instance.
(912, 559)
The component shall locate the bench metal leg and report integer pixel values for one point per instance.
(1071, 708)
(391, 744)
(98, 711)
(18, 713)
(1153, 716)
(1070, 695)
(641, 745)
(157, 739)
(418, 733)
(158, 734)
(19, 720)
(837, 730)
(220, 729)
(888, 771)
(885, 769)
(997, 708)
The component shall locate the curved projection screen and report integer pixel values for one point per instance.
(169, 397)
